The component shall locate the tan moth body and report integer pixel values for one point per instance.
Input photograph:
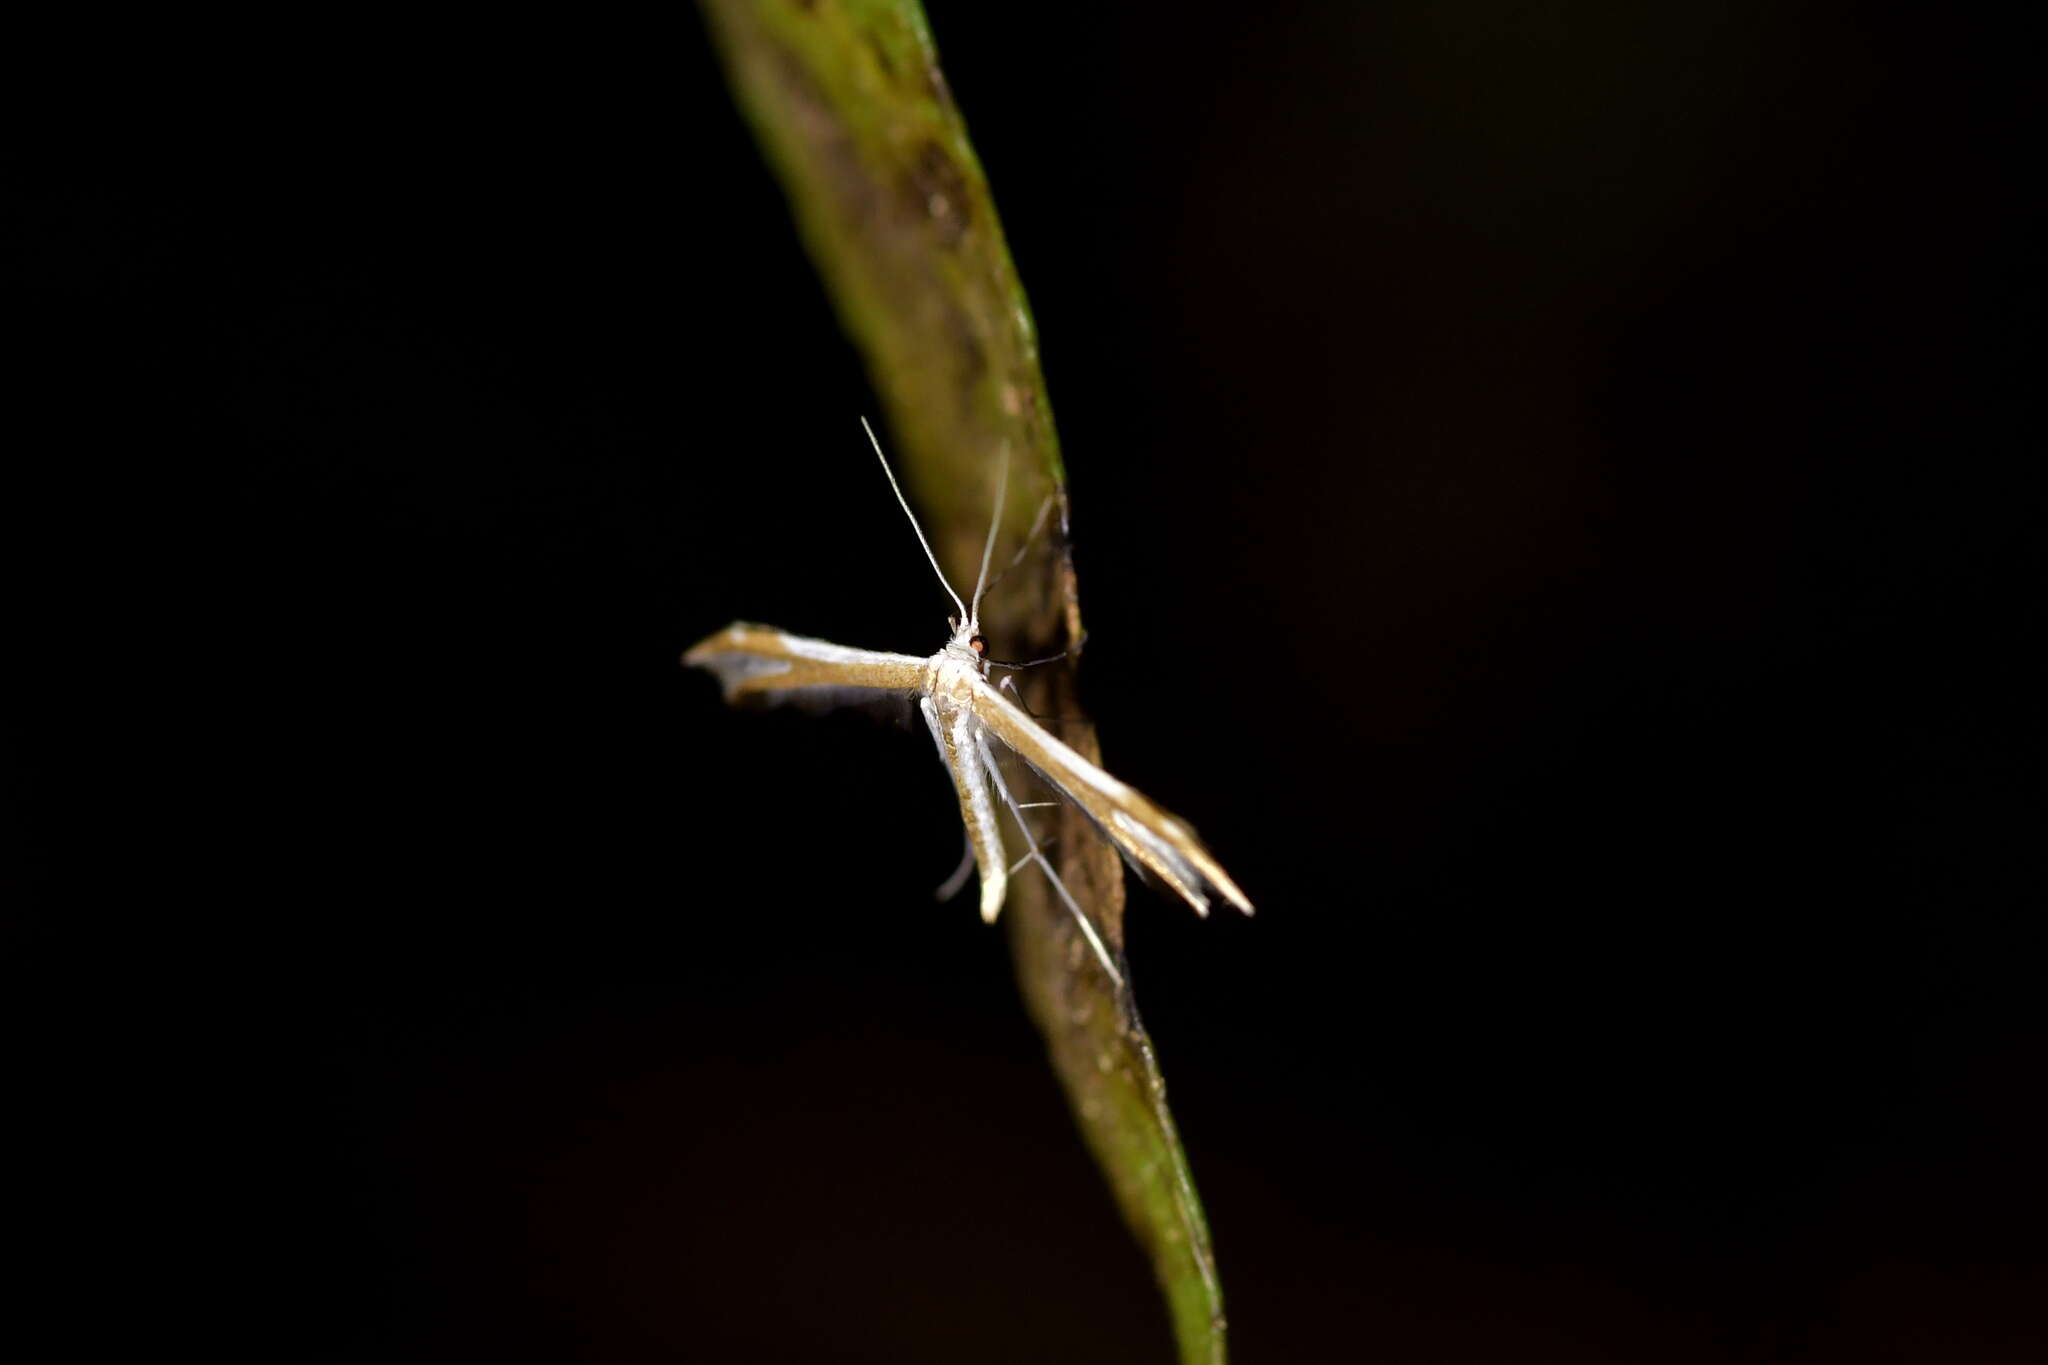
(965, 712)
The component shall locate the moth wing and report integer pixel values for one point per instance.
(955, 730)
(1156, 841)
(761, 663)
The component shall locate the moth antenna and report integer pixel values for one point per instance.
(995, 524)
(904, 503)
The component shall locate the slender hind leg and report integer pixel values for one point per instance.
(950, 887)
(1037, 855)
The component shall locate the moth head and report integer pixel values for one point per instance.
(965, 634)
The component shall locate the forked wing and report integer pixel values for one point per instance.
(769, 664)
(1153, 839)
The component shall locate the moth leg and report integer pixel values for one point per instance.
(1038, 849)
(1034, 663)
(1010, 685)
(1037, 855)
(950, 887)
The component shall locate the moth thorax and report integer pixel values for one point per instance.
(954, 671)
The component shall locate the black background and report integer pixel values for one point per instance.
(1552, 504)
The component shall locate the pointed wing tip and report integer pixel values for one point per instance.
(995, 887)
(717, 642)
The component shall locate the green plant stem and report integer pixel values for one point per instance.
(848, 103)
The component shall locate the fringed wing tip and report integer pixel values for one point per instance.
(1218, 880)
(1167, 848)
(1200, 867)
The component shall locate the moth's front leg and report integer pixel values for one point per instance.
(953, 727)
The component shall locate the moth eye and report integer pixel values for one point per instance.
(978, 645)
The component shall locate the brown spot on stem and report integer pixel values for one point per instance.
(881, 52)
(940, 191)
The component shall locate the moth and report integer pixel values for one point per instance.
(969, 716)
